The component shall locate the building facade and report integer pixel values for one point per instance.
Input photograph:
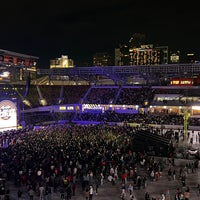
(143, 55)
(16, 66)
(62, 62)
(102, 59)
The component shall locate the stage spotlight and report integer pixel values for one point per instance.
(26, 102)
(43, 102)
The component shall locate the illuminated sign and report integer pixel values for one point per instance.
(62, 108)
(70, 108)
(8, 115)
(182, 82)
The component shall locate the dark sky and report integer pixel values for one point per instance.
(81, 28)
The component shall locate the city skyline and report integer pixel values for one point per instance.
(80, 29)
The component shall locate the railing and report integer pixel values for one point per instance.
(145, 70)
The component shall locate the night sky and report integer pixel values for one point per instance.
(79, 29)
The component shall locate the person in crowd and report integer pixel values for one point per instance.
(91, 192)
(31, 193)
(147, 196)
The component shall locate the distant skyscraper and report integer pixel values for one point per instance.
(144, 55)
(102, 59)
(63, 62)
(118, 57)
(190, 58)
(174, 57)
(136, 52)
(164, 54)
(124, 55)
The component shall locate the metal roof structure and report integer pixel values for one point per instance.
(121, 73)
(12, 53)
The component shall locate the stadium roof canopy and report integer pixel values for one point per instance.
(12, 53)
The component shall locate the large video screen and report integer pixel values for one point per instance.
(8, 115)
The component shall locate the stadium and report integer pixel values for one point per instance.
(141, 109)
(98, 94)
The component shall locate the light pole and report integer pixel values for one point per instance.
(186, 115)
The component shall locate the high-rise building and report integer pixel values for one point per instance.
(124, 55)
(136, 52)
(118, 57)
(190, 58)
(62, 62)
(143, 55)
(174, 57)
(164, 54)
(102, 59)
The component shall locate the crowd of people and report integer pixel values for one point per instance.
(56, 157)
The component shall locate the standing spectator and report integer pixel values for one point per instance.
(96, 186)
(144, 181)
(41, 191)
(191, 140)
(91, 192)
(187, 195)
(167, 196)
(19, 194)
(169, 174)
(130, 189)
(123, 194)
(69, 192)
(139, 182)
(174, 174)
(162, 197)
(123, 191)
(188, 135)
(73, 189)
(147, 196)
(112, 171)
(62, 193)
(2, 191)
(152, 174)
(116, 172)
(101, 178)
(183, 178)
(31, 193)
(124, 177)
(87, 194)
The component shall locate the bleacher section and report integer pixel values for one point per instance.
(101, 95)
(134, 95)
(71, 94)
(109, 103)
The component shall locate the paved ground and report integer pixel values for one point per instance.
(112, 192)
(108, 191)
